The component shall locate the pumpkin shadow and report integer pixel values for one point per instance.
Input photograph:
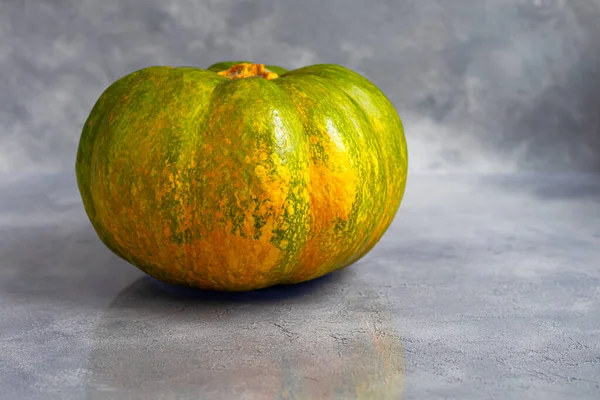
(148, 287)
(327, 338)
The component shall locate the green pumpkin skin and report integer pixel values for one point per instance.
(239, 184)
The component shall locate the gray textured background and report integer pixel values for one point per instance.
(486, 286)
(482, 85)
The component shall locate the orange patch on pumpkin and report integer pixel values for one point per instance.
(332, 191)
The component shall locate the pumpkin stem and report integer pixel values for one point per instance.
(247, 70)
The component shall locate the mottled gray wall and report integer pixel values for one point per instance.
(482, 85)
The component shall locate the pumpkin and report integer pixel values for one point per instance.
(241, 176)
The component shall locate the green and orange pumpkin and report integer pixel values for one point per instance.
(241, 176)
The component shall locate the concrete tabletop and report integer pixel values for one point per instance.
(485, 287)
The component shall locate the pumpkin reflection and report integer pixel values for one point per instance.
(336, 342)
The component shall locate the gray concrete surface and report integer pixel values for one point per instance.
(485, 287)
